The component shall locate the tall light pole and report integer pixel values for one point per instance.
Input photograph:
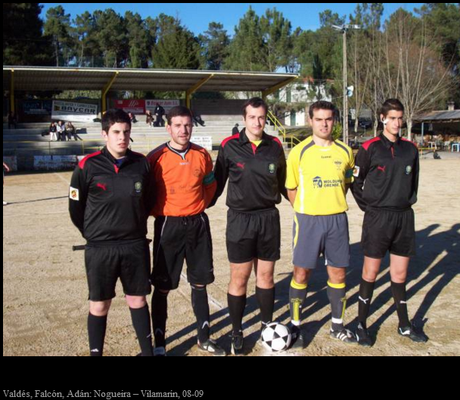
(344, 28)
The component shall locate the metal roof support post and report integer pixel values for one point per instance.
(193, 89)
(106, 90)
(12, 101)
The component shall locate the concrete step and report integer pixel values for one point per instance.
(29, 140)
(97, 125)
(90, 134)
(97, 136)
(81, 147)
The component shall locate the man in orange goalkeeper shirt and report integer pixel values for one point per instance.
(184, 184)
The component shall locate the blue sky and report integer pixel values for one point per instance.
(197, 16)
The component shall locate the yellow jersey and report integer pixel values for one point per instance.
(320, 175)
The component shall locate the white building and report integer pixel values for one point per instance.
(301, 94)
(298, 96)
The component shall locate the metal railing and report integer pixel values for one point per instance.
(289, 140)
(277, 124)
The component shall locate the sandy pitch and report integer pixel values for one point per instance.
(45, 292)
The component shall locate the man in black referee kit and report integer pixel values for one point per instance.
(385, 187)
(110, 203)
(255, 165)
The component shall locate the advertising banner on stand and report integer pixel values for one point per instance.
(74, 112)
(134, 106)
(166, 104)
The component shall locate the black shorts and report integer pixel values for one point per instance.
(129, 261)
(179, 239)
(392, 231)
(253, 235)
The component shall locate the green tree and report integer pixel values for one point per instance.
(327, 18)
(358, 65)
(443, 20)
(87, 49)
(176, 46)
(57, 26)
(329, 49)
(374, 91)
(246, 48)
(23, 39)
(112, 38)
(304, 54)
(138, 41)
(215, 42)
(414, 70)
(151, 27)
(277, 36)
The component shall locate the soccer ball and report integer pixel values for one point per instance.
(276, 337)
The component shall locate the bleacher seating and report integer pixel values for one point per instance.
(27, 139)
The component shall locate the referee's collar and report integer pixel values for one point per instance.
(245, 140)
(387, 142)
(107, 153)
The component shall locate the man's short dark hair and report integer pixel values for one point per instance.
(178, 111)
(322, 105)
(113, 116)
(255, 102)
(391, 105)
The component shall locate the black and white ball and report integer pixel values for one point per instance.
(276, 337)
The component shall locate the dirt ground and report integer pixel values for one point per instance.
(45, 291)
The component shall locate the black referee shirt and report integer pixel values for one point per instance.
(386, 174)
(256, 174)
(110, 201)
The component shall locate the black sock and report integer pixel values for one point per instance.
(159, 317)
(236, 306)
(266, 300)
(400, 298)
(201, 309)
(336, 294)
(366, 290)
(297, 295)
(96, 333)
(141, 323)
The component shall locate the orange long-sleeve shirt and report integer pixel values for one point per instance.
(184, 183)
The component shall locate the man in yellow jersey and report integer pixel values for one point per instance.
(319, 172)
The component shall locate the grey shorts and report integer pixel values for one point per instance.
(314, 235)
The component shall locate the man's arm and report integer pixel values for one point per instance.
(415, 178)
(220, 175)
(349, 173)
(209, 182)
(360, 172)
(292, 193)
(282, 172)
(292, 176)
(77, 199)
(417, 172)
(150, 193)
